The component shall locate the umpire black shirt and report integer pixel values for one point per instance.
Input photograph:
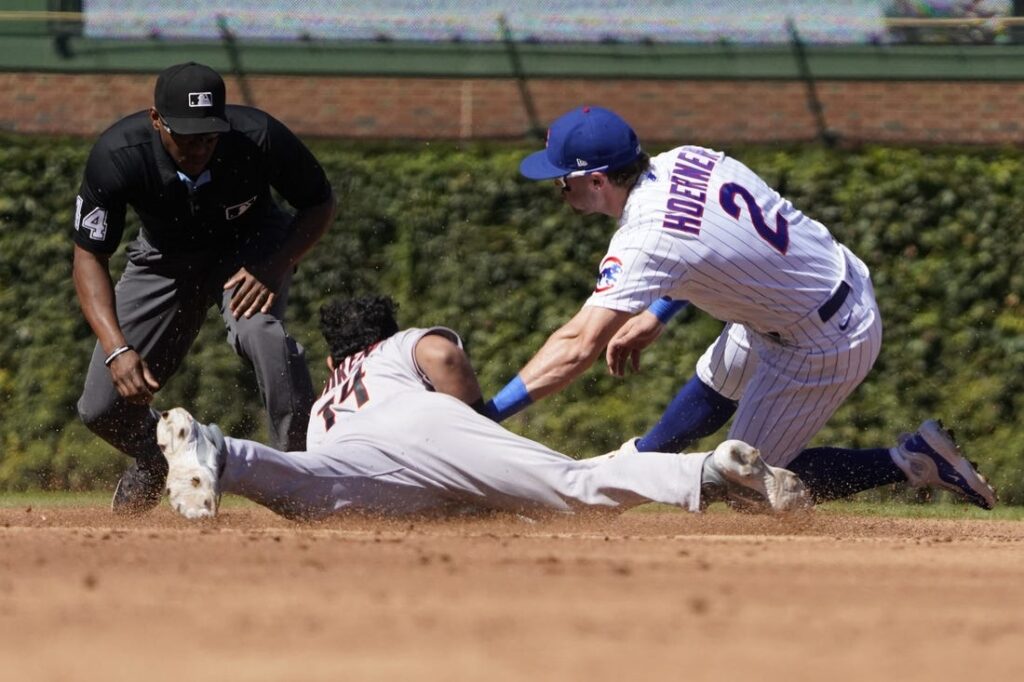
(128, 166)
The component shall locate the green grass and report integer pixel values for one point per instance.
(941, 509)
(937, 510)
(54, 499)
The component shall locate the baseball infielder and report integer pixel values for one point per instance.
(802, 331)
(394, 433)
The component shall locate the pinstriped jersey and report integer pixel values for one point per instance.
(703, 227)
(370, 376)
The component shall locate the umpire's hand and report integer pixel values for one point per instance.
(132, 378)
(252, 295)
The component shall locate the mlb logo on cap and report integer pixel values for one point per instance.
(585, 140)
(190, 99)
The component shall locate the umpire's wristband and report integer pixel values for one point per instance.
(665, 308)
(120, 350)
(509, 400)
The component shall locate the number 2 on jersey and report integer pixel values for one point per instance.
(777, 238)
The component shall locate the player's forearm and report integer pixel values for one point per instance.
(558, 363)
(571, 350)
(564, 356)
(546, 376)
(95, 292)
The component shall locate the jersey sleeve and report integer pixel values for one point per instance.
(439, 331)
(407, 341)
(632, 275)
(100, 206)
(295, 172)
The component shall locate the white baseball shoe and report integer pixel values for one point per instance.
(751, 484)
(195, 455)
(931, 457)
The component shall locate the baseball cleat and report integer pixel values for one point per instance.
(194, 455)
(752, 485)
(931, 457)
(140, 487)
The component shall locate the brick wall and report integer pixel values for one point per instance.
(662, 111)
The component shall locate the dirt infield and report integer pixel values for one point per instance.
(645, 596)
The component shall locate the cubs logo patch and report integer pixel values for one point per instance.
(610, 271)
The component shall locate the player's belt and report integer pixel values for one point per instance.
(834, 302)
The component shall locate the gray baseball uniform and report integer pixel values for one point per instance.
(381, 440)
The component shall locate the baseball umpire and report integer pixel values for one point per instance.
(803, 328)
(198, 173)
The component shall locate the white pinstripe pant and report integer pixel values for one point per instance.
(787, 390)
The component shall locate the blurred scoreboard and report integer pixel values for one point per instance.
(658, 21)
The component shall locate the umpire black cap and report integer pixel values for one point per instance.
(190, 99)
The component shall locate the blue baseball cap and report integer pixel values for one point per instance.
(585, 140)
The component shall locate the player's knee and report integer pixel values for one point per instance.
(255, 336)
(88, 414)
(94, 414)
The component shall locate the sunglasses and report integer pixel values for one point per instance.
(188, 139)
(562, 182)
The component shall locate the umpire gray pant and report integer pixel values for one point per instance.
(162, 300)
